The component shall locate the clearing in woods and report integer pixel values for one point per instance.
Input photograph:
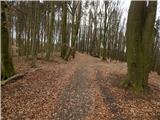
(83, 89)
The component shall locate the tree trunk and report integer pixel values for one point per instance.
(49, 44)
(139, 35)
(7, 65)
(75, 28)
(64, 30)
(105, 29)
(34, 38)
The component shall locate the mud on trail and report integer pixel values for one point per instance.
(83, 89)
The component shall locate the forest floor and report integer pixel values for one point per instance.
(82, 89)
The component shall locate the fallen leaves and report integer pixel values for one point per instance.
(35, 96)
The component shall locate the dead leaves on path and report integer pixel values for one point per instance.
(35, 95)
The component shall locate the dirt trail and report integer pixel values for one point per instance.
(75, 101)
(78, 99)
(83, 89)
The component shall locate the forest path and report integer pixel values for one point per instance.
(75, 100)
(83, 89)
(78, 99)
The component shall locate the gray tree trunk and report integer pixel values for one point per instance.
(140, 37)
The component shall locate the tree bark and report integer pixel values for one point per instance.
(64, 29)
(7, 65)
(34, 35)
(139, 35)
(75, 28)
(105, 29)
(49, 44)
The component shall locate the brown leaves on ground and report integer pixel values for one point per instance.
(130, 107)
(36, 95)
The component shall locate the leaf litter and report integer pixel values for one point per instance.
(38, 94)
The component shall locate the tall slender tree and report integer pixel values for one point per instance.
(35, 33)
(49, 44)
(64, 29)
(105, 29)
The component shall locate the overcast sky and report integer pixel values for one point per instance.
(126, 4)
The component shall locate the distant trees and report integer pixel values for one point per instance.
(39, 29)
(6, 66)
(101, 33)
(93, 45)
(140, 36)
(156, 48)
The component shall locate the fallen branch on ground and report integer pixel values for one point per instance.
(18, 76)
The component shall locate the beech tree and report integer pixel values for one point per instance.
(140, 37)
(64, 29)
(49, 43)
(7, 65)
(35, 33)
(75, 28)
(105, 29)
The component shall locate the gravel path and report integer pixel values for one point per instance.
(74, 102)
